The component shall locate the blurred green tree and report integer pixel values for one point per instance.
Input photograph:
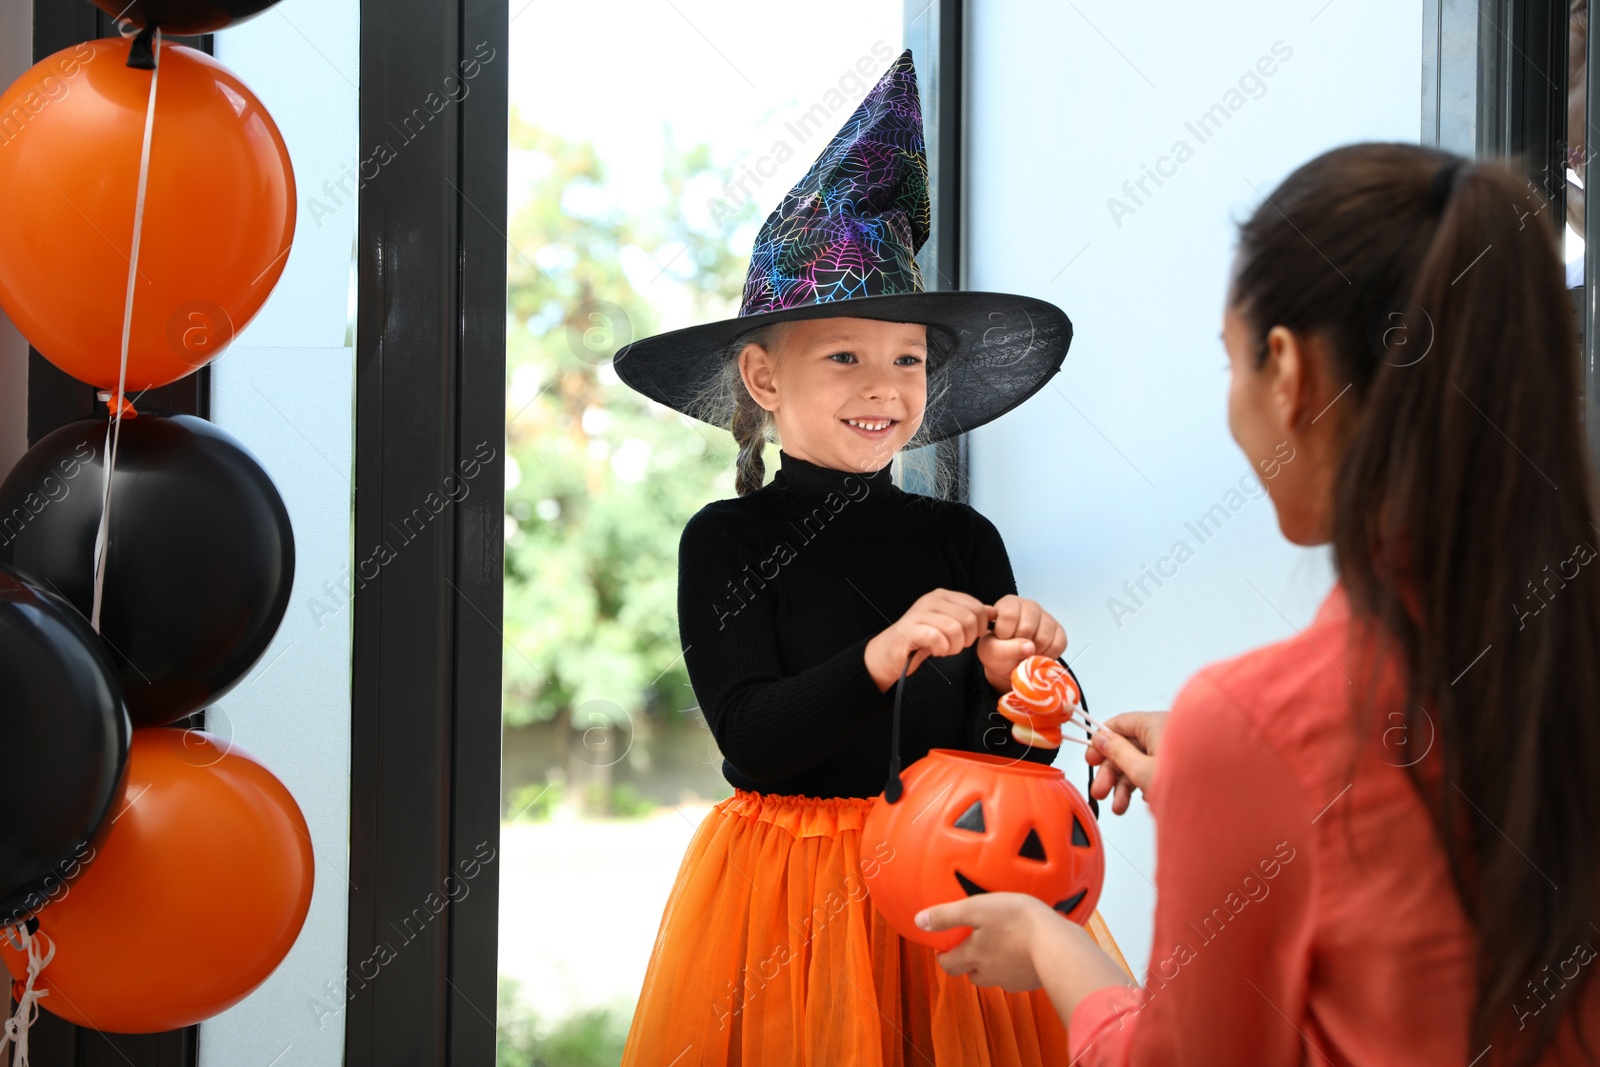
(600, 480)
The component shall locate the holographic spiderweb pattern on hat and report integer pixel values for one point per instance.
(852, 225)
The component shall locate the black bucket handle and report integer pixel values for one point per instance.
(893, 789)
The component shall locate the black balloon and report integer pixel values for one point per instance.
(200, 557)
(66, 742)
(184, 17)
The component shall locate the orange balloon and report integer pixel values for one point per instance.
(193, 898)
(219, 211)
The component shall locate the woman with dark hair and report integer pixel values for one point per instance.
(1378, 839)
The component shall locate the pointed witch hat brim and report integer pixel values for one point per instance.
(842, 243)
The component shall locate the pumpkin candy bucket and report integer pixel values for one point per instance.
(959, 823)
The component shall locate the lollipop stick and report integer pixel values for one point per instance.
(1079, 719)
(1080, 716)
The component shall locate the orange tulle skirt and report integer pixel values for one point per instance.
(770, 954)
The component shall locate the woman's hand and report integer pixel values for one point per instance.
(940, 623)
(1125, 751)
(1018, 943)
(999, 951)
(1021, 629)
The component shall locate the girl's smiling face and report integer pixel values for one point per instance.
(845, 393)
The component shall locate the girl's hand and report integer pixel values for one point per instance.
(1005, 928)
(1125, 751)
(940, 623)
(1021, 629)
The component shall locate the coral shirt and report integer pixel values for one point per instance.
(1274, 943)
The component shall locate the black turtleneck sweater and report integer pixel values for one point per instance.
(779, 592)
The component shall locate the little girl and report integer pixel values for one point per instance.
(800, 603)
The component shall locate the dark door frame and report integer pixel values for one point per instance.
(429, 513)
(935, 31)
(1495, 86)
(1522, 107)
(1589, 313)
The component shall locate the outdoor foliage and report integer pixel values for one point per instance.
(590, 1038)
(600, 481)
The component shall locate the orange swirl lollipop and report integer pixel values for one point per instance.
(1015, 707)
(1038, 736)
(1030, 728)
(1011, 706)
(1074, 699)
(1041, 699)
(1040, 684)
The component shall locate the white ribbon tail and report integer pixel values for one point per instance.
(114, 430)
(16, 1027)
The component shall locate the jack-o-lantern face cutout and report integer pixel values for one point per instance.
(972, 823)
(1032, 848)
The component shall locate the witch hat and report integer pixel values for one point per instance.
(842, 243)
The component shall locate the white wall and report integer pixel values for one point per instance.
(16, 56)
(286, 389)
(1067, 102)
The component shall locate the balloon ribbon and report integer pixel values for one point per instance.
(119, 399)
(24, 937)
